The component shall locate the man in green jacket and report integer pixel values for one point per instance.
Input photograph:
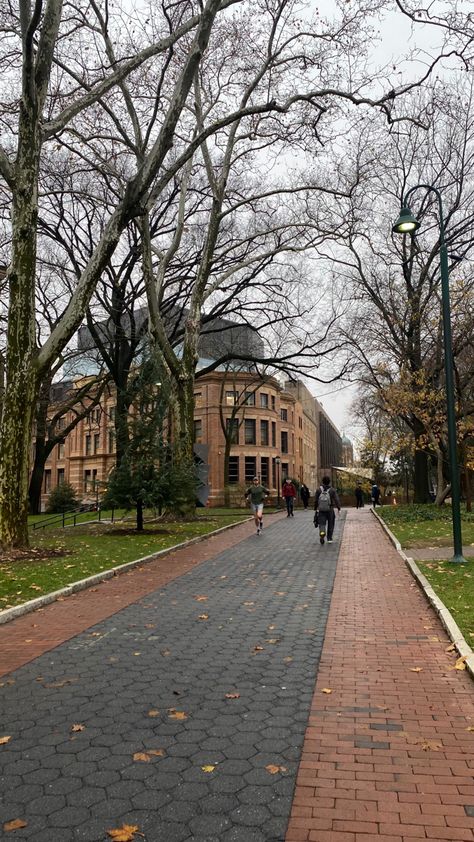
(256, 494)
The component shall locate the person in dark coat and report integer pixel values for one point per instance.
(325, 505)
(305, 495)
(375, 493)
(359, 495)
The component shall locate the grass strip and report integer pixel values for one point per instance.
(59, 557)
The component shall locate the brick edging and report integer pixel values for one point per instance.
(443, 613)
(9, 614)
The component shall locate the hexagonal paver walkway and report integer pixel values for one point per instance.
(183, 714)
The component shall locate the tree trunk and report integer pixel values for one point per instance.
(442, 490)
(139, 515)
(421, 478)
(122, 408)
(22, 380)
(36, 478)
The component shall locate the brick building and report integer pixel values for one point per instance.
(277, 433)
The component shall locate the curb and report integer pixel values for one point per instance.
(39, 602)
(447, 619)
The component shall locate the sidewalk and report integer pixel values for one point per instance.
(389, 752)
(183, 712)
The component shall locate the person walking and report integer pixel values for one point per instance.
(359, 495)
(375, 493)
(325, 505)
(305, 495)
(256, 494)
(289, 493)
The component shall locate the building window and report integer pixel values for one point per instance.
(273, 402)
(87, 480)
(112, 413)
(274, 434)
(60, 476)
(96, 442)
(198, 430)
(61, 450)
(284, 470)
(111, 441)
(250, 468)
(62, 422)
(233, 470)
(232, 429)
(301, 446)
(284, 414)
(250, 431)
(300, 422)
(284, 442)
(47, 482)
(264, 476)
(249, 399)
(264, 400)
(197, 398)
(264, 433)
(231, 398)
(88, 445)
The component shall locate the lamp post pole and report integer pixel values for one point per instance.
(408, 224)
(277, 463)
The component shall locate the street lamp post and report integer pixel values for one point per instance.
(277, 463)
(408, 224)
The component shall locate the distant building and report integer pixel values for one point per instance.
(347, 452)
(330, 442)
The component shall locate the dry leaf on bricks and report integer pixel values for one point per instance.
(78, 727)
(273, 770)
(126, 833)
(15, 824)
(4, 740)
(177, 714)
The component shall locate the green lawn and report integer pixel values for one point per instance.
(426, 526)
(429, 526)
(87, 549)
(454, 584)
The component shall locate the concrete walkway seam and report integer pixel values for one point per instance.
(447, 619)
(39, 602)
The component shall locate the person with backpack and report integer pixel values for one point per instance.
(325, 504)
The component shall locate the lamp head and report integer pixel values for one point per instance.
(406, 222)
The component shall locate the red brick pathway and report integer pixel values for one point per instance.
(388, 754)
(29, 636)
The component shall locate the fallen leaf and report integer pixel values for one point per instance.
(166, 653)
(203, 617)
(95, 634)
(4, 740)
(177, 714)
(208, 768)
(78, 728)
(326, 690)
(460, 663)
(249, 603)
(258, 648)
(288, 659)
(450, 648)
(153, 713)
(416, 669)
(126, 833)
(62, 682)
(470, 728)
(15, 824)
(273, 640)
(201, 597)
(232, 696)
(137, 653)
(141, 756)
(273, 770)
(150, 625)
